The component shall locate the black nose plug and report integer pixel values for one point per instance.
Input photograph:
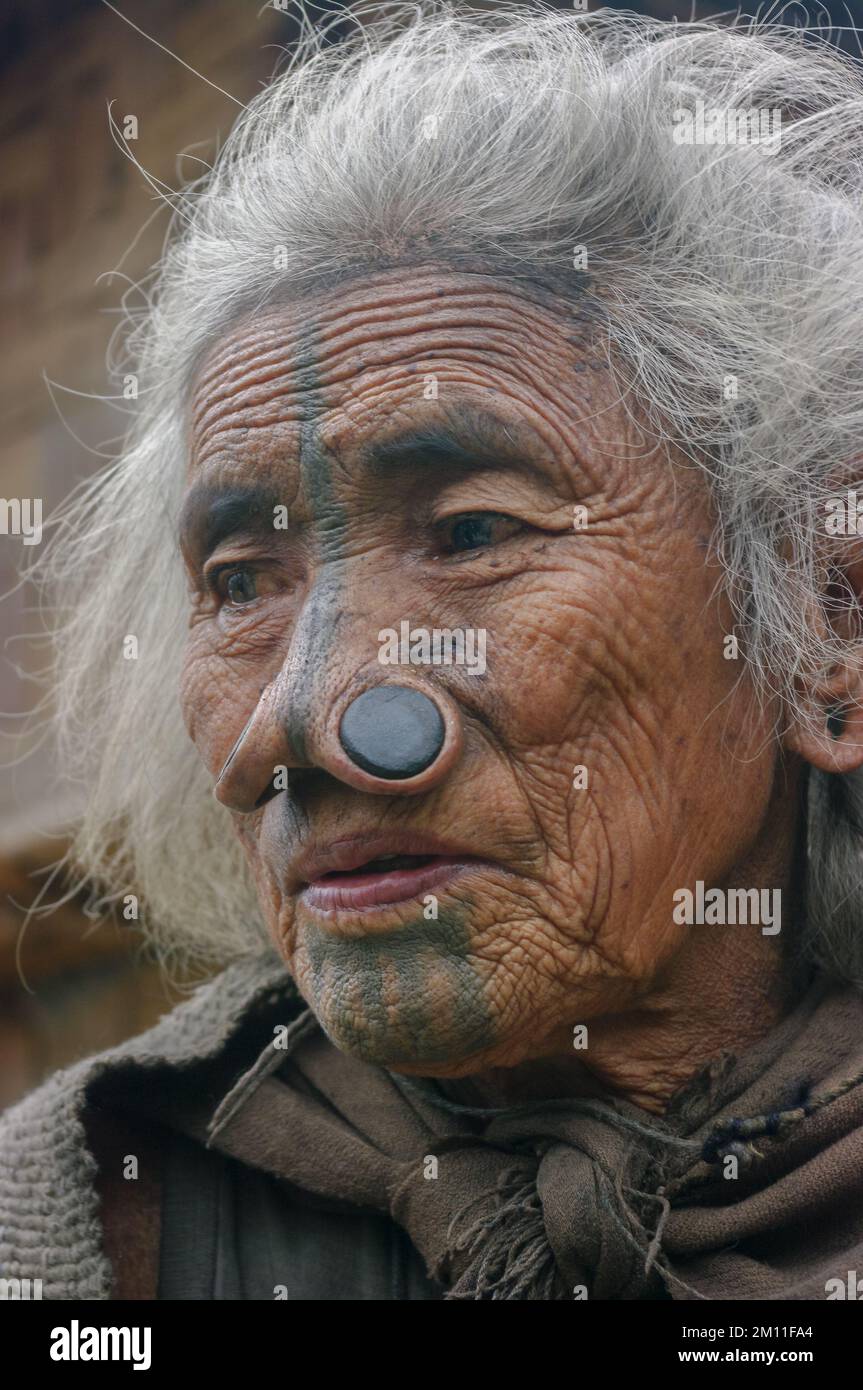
(392, 731)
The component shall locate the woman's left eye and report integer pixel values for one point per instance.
(477, 530)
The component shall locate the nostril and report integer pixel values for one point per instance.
(392, 731)
(270, 790)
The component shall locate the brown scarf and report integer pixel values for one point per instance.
(750, 1187)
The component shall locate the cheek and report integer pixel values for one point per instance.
(553, 697)
(277, 910)
(602, 697)
(542, 664)
(216, 701)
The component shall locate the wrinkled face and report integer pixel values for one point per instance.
(429, 451)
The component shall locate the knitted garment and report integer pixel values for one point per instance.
(49, 1209)
(530, 1201)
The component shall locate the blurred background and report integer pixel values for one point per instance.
(73, 209)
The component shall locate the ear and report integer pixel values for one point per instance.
(835, 744)
(829, 735)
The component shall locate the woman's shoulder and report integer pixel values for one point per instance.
(50, 1226)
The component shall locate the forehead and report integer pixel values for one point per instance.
(348, 363)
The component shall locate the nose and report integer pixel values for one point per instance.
(386, 738)
(392, 731)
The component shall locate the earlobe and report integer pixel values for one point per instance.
(832, 737)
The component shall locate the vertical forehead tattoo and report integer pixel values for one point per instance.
(319, 620)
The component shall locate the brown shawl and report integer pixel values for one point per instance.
(750, 1187)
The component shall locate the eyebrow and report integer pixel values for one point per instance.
(475, 441)
(211, 514)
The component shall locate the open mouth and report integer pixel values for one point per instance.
(388, 879)
(387, 863)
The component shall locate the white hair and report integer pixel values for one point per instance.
(509, 138)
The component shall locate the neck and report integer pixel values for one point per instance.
(644, 1055)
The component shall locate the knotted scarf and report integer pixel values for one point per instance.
(749, 1187)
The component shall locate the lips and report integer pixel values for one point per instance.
(368, 871)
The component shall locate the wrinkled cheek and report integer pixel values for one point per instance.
(211, 707)
(199, 705)
(277, 907)
(190, 699)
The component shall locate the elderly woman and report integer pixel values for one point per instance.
(465, 654)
